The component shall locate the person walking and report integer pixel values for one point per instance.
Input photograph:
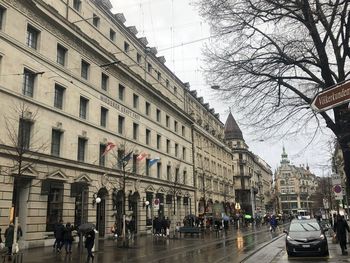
(340, 228)
(68, 237)
(59, 233)
(273, 223)
(89, 243)
(9, 234)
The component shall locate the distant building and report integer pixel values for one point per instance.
(252, 175)
(294, 186)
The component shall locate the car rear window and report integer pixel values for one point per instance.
(304, 226)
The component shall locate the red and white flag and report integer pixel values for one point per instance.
(109, 146)
(141, 156)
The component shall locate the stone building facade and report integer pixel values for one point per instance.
(90, 112)
(294, 186)
(252, 175)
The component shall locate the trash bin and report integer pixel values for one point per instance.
(95, 247)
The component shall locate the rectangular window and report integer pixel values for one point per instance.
(159, 76)
(184, 179)
(77, 5)
(58, 99)
(28, 83)
(112, 35)
(61, 55)
(54, 203)
(177, 178)
(102, 161)
(158, 115)
(32, 37)
(121, 91)
(126, 47)
(158, 141)
(176, 149)
(183, 153)
(85, 69)
(159, 169)
(104, 81)
(147, 170)
(81, 149)
(120, 156)
(175, 126)
(167, 83)
(148, 136)
(138, 58)
(149, 67)
(134, 163)
(183, 131)
(95, 20)
(2, 15)
(103, 119)
(175, 91)
(121, 121)
(135, 131)
(24, 133)
(168, 172)
(167, 146)
(167, 121)
(148, 108)
(83, 108)
(135, 101)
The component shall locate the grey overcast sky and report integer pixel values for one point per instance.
(179, 33)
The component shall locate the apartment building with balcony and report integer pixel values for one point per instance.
(294, 186)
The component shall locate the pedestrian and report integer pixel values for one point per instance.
(273, 223)
(68, 237)
(340, 228)
(89, 243)
(59, 233)
(9, 233)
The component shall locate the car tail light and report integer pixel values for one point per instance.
(322, 236)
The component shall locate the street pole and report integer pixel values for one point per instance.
(124, 206)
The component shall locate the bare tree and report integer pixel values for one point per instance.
(22, 142)
(271, 57)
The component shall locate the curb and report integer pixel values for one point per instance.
(263, 246)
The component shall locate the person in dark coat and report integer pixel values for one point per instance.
(68, 237)
(340, 228)
(89, 243)
(59, 233)
(9, 234)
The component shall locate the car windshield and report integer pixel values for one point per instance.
(304, 226)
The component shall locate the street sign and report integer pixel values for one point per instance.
(337, 187)
(332, 97)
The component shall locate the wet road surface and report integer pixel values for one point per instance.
(234, 246)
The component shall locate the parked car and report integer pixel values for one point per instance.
(306, 237)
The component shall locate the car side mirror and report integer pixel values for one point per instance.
(285, 231)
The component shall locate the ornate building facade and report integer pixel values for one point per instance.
(294, 186)
(252, 175)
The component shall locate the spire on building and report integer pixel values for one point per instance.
(284, 157)
(232, 130)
